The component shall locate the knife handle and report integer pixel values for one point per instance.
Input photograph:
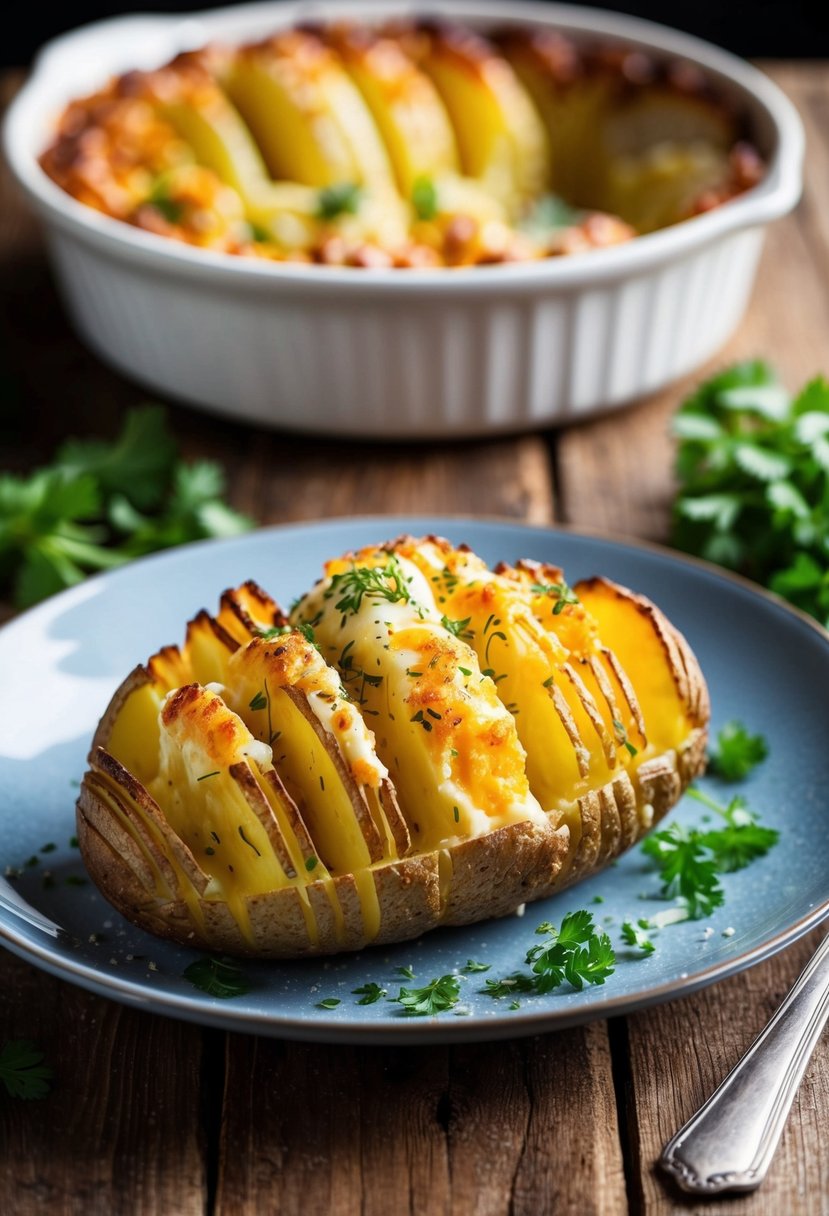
(729, 1143)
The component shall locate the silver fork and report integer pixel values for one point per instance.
(729, 1143)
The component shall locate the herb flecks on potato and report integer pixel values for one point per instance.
(424, 741)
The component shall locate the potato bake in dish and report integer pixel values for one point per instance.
(408, 144)
(422, 741)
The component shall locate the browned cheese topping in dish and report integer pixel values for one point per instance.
(412, 145)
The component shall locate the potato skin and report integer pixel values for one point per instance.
(152, 878)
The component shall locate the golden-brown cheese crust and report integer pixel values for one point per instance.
(119, 152)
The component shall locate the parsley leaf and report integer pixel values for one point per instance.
(460, 629)
(576, 952)
(690, 860)
(737, 752)
(560, 592)
(369, 994)
(385, 582)
(137, 463)
(22, 1070)
(341, 199)
(549, 214)
(436, 997)
(753, 470)
(686, 868)
(637, 936)
(103, 502)
(217, 977)
(425, 198)
(742, 840)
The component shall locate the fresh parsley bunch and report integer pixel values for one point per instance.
(101, 503)
(753, 471)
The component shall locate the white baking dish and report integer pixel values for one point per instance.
(425, 353)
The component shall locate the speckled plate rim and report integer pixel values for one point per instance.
(38, 944)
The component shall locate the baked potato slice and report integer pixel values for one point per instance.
(613, 728)
(500, 136)
(406, 107)
(306, 115)
(379, 764)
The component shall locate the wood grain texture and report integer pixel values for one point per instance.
(708, 1034)
(478, 1130)
(121, 1131)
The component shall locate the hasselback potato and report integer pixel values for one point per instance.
(422, 741)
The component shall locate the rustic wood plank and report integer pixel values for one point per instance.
(478, 1130)
(120, 1131)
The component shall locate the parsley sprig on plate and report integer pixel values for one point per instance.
(100, 503)
(737, 752)
(576, 953)
(691, 860)
(753, 471)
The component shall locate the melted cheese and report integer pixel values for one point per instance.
(448, 742)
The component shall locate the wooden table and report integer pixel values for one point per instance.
(154, 1116)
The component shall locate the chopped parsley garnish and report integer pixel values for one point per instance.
(249, 843)
(311, 863)
(622, 738)
(341, 199)
(460, 629)
(159, 197)
(435, 997)
(577, 953)
(519, 981)
(472, 967)
(406, 972)
(737, 752)
(424, 198)
(386, 582)
(560, 592)
(369, 994)
(217, 977)
(260, 701)
(636, 935)
(279, 631)
(22, 1070)
(330, 1002)
(548, 215)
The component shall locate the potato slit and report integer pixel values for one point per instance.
(592, 711)
(582, 753)
(628, 691)
(243, 776)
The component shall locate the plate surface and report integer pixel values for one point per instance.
(61, 661)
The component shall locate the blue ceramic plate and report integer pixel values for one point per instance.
(765, 664)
